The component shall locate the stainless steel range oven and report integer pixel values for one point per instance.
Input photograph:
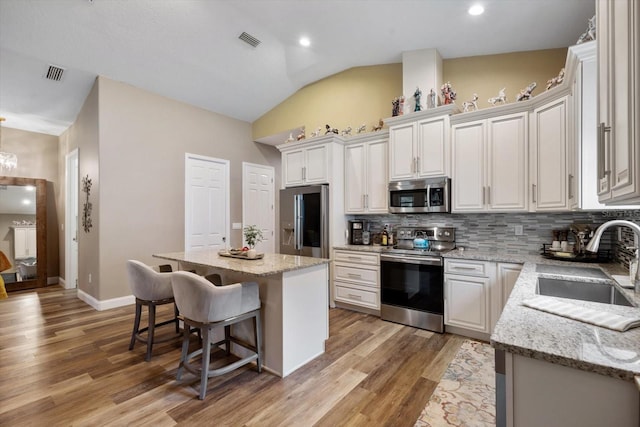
(412, 280)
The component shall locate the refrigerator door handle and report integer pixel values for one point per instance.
(297, 209)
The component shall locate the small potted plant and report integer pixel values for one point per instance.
(253, 236)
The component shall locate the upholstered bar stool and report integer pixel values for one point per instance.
(206, 306)
(151, 288)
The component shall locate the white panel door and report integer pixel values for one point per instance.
(468, 148)
(433, 147)
(206, 202)
(377, 178)
(402, 163)
(550, 138)
(258, 201)
(354, 178)
(507, 170)
(466, 302)
(71, 220)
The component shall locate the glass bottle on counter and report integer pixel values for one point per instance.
(390, 238)
(384, 238)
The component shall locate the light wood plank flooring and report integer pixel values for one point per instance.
(63, 363)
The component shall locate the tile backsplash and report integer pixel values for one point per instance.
(496, 231)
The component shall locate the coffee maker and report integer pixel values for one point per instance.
(359, 233)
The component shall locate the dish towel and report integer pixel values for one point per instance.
(583, 314)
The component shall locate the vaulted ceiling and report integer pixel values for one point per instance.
(189, 50)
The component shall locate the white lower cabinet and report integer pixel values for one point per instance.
(475, 293)
(356, 278)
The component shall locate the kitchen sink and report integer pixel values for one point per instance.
(594, 273)
(585, 291)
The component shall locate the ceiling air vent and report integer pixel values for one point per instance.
(249, 39)
(54, 73)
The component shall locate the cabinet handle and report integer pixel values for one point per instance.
(355, 296)
(304, 173)
(570, 186)
(488, 195)
(357, 258)
(354, 275)
(603, 157)
(484, 193)
(533, 192)
(418, 164)
(456, 267)
(366, 201)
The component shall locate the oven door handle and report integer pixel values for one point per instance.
(407, 259)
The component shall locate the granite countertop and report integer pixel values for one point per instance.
(270, 264)
(556, 339)
(544, 336)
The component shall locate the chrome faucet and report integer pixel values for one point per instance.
(595, 242)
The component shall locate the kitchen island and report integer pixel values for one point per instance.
(294, 297)
(552, 370)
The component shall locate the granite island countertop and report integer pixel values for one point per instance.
(544, 336)
(270, 264)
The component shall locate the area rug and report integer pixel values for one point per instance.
(466, 394)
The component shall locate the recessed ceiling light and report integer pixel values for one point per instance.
(304, 41)
(476, 9)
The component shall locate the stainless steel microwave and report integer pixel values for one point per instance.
(420, 196)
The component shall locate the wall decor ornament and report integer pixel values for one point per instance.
(316, 132)
(473, 103)
(551, 83)
(526, 92)
(417, 95)
(590, 33)
(432, 101)
(448, 94)
(395, 110)
(331, 130)
(502, 97)
(378, 127)
(86, 209)
(362, 128)
(346, 132)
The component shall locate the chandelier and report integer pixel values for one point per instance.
(8, 161)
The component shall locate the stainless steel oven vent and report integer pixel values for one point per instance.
(249, 39)
(54, 73)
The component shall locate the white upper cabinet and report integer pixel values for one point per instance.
(305, 165)
(489, 164)
(24, 242)
(419, 144)
(549, 138)
(618, 43)
(366, 177)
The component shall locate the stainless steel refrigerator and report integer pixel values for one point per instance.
(304, 221)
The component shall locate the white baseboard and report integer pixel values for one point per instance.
(101, 305)
(62, 282)
(53, 280)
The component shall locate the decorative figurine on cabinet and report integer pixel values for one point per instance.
(448, 94)
(290, 139)
(502, 97)
(525, 93)
(551, 83)
(346, 132)
(331, 130)
(417, 95)
(590, 34)
(316, 133)
(395, 110)
(377, 128)
(466, 105)
(302, 135)
(362, 128)
(431, 99)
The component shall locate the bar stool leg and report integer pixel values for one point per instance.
(136, 324)
(151, 330)
(206, 355)
(185, 349)
(257, 327)
(176, 313)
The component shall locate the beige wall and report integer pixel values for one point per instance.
(143, 141)
(349, 98)
(364, 94)
(38, 158)
(486, 75)
(83, 134)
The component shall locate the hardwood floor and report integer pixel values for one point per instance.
(63, 363)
